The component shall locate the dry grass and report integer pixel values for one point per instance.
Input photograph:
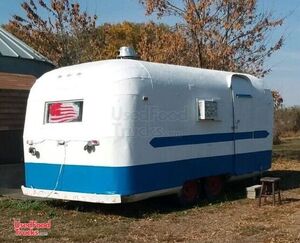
(290, 134)
(232, 219)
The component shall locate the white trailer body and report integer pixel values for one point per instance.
(122, 130)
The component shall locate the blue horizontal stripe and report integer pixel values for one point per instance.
(205, 138)
(243, 95)
(261, 134)
(130, 180)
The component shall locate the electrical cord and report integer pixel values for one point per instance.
(60, 169)
(65, 144)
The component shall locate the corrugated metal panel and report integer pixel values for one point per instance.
(11, 46)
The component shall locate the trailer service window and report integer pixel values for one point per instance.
(63, 111)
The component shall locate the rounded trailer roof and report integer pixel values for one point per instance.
(121, 71)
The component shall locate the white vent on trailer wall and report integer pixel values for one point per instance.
(207, 110)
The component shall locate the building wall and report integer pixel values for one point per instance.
(12, 109)
(14, 91)
(16, 81)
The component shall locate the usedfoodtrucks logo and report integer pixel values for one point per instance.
(32, 228)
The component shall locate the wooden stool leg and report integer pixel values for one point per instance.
(273, 193)
(260, 194)
(265, 191)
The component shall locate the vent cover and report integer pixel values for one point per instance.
(127, 53)
(207, 110)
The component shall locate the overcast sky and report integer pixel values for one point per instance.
(285, 75)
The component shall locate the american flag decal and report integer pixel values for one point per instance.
(64, 112)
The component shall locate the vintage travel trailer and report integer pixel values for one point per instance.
(123, 130)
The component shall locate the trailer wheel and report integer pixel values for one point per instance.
(213, 186)
(189, 193)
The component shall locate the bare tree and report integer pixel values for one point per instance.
(229, 35)
(66, 35)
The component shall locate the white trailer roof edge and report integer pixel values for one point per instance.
(80, 68)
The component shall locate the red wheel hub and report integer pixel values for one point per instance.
(189, 192)
(213, 186)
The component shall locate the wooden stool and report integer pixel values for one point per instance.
(269, 187)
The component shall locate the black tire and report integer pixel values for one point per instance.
(213, 186)
(189, 193)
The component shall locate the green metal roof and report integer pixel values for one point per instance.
(17, 57)
(11, 46)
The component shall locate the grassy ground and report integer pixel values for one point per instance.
(289, 149)
(231, 219)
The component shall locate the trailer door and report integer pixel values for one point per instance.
(243, 115)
